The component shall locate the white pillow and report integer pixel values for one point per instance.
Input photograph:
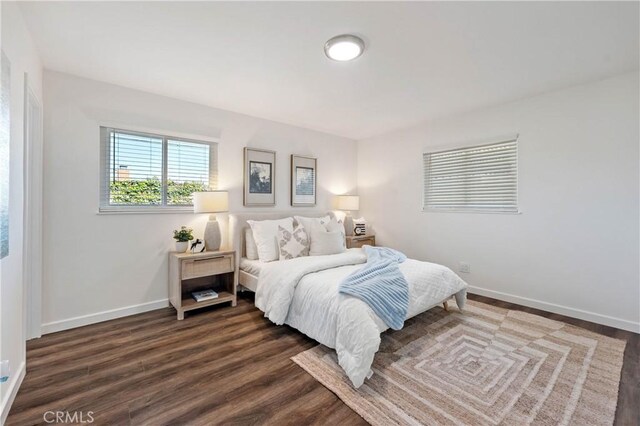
(308, 222)
(265, 233)
(325, 241)
(293, 244)
(250, 248)
(338, 226)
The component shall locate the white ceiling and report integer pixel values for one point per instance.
(422, 60)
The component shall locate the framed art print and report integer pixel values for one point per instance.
(303, 181)
(259, 177)
(196, 246)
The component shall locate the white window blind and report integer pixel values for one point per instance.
(141, 171)
(188, 170)
(481, 178)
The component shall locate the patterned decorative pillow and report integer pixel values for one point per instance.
(309, 222)
(265, 234)
(293, 244)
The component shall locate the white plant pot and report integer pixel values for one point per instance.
(182, 246)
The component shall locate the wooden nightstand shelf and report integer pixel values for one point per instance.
(357, 241)
(192, 272)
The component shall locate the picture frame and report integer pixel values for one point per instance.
(259, 177)
(197, 246)
(303, 181)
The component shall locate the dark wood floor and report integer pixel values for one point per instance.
(222, 365)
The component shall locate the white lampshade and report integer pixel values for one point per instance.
(348, 202)
(211, 202)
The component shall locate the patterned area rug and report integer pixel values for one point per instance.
(485, 366)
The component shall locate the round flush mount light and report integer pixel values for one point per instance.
(345, 47)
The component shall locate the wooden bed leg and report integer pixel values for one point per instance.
(445, 304)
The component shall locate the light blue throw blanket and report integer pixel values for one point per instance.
(381, 285)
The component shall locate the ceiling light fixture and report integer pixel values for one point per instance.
(345, 47)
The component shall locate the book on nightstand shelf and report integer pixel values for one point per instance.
(201, 296)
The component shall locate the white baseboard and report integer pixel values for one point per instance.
(14, 385)
(559, 309)
(52, 327)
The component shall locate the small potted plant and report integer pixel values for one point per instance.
(182, 237)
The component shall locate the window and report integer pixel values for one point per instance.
(480, 178)
(143, 172)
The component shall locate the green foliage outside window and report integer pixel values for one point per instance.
(149, 192)
(182, 192)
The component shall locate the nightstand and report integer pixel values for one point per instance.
(193, 272)
(357, 241)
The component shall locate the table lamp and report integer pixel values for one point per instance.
(348, 203)
(211, 202)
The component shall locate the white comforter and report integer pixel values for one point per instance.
(303, 293)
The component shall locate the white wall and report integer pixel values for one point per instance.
(21, 52)
(96, 263)
(574, 248)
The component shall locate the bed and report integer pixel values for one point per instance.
(303, 293)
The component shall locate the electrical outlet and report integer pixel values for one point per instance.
(464, 267)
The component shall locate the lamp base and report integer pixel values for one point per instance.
(348, 225)
(212, 236)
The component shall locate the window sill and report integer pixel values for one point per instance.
(427, 210)
(115, 211)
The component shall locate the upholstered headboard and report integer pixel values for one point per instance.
(238, 224)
